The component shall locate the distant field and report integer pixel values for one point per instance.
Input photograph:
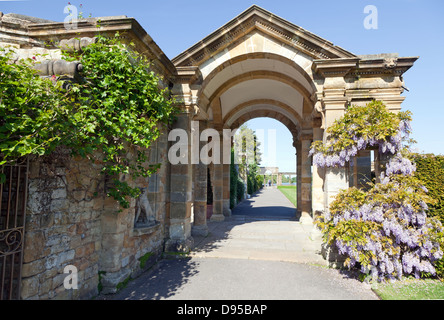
(290, 193)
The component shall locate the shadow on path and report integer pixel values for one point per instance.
(254, 254)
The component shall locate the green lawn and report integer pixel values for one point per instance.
(290, 193)
(411, 289)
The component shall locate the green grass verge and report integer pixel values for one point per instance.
(410, 289)
(290, 193)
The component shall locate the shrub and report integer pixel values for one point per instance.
(385, 230)
(240, 189)
(430, 170)
(116, 105)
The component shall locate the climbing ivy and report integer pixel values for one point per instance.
(34, 111)
(117, 107)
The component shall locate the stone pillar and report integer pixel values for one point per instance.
(218, 189)
(317, 180)
(226, 190)
(226, 145)
(180, 239)
(306, 216)
(279, 180)
(298, 147)
(335, 178)
(200, 172)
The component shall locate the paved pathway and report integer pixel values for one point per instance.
(261, 252)
(264, 227)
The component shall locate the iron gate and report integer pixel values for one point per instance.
(13, 195)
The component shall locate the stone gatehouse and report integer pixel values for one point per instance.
(256, 65)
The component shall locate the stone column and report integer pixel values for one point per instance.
(332, 103)
(306, 216)
(181, 176)
(218, 189)
(298, 147)
(335, 178)
(226, 145)
(200, 171)
(317, 180)
(279, 180)
(226, 190)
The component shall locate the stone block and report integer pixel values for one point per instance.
(111, 280)
(29, 287)
(58, 193)
(33, 268)
(180, 229)
(181, 246)
(112, 240)
(34, 246)
(60, 260)
(58, 205)
(180, 210)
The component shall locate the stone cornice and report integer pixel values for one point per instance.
(363, 66)
(188, 75)
(334, 67)
(51, 33)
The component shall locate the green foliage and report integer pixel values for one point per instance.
(124, 283)
(372, 123)
(143, 259)
(118, 105)
(33, 111)
(240, 189)
(116, 108)
(247, 153)
(430, 170)
(260, 181)
(252, 182)
(384, 230)
(100, 284)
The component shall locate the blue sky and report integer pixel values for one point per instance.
(407, 27)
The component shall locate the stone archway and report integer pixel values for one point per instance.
(260, 65)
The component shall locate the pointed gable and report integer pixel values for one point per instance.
(254, 22)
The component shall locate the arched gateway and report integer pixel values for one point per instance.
(256, 65)
(260, 65)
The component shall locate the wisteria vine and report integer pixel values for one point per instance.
(385, 230)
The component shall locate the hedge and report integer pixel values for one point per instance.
(430, 170)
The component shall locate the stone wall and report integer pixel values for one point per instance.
(70, 221)
(62, 227)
